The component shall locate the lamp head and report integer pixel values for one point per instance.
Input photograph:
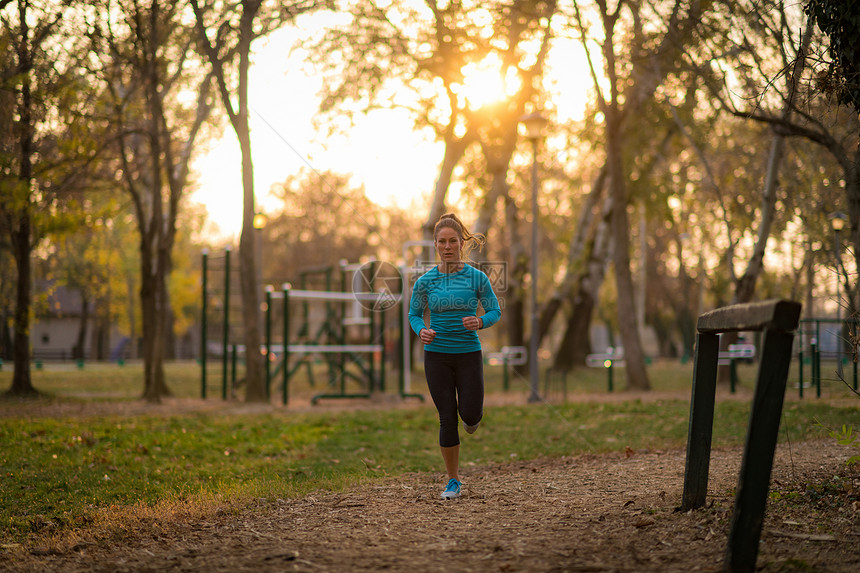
(838, 220)
(260, 220)
(534, 124)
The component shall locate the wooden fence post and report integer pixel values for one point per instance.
(701, 421)
(762, 432)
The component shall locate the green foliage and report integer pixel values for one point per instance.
(848, 437)
(840, 20)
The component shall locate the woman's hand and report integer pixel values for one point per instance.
(426, 335)
(472, 322)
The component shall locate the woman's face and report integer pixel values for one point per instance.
(448, 245)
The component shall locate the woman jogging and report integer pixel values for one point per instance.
(453, 363)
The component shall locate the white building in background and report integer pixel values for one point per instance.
(58, 321)
(57, 325)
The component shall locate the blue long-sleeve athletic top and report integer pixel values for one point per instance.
(451, 297)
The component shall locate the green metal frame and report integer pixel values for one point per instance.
(331, 331)
(815, 352)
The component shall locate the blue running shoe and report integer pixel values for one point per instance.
(452, 491)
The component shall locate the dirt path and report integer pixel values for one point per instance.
(584, 513)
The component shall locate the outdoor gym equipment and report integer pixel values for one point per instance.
(507, 357)
(811, 333)
(327, 339)
(337, 353)
(224, 299)
(614, 356)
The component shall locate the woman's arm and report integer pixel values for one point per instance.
(417, 306)
(489, 302)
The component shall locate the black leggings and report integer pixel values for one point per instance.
(456, 383)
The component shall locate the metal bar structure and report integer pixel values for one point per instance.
(268, 369)
(800, 371)
(234, 360)
(815, 352)
(226, 332)
(342, 357)
(371, 378)
(290, 349)
(204, 310)
(286, 336)
(404, 335)
(381, 339)
(331, 335)
(778, 320)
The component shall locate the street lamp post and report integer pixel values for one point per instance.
(837, 222)
(534, 124)
(260, 221)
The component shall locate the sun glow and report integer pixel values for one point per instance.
(382, 150)
(484, 82)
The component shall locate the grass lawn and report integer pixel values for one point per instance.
(59, 473)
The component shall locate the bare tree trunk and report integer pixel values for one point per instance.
(685, 314)
(147, 307)
(156, 242)
(255, 390)
(746, 285)
(255, 384)
(154, 387)
(581, 246)
(575, 343)
(5, 337)
(454, 149)
(637, 376)
(81, 340)
(22, 384)
(628, 327)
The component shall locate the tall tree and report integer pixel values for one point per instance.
(631, 82)
(41, 92)
(745, 284)
(147, 69)
(225, 34)
(795, 105)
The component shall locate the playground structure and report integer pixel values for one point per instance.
(345, 329)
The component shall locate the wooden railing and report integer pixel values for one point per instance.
(778, 320)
